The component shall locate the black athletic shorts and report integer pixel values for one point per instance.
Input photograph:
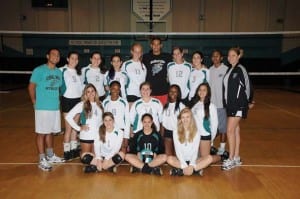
(132, 98)
(207, 137)
(68, 103)
(168, 134)
(87, 141)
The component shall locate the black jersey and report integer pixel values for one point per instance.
(157, 71)
(147, 144)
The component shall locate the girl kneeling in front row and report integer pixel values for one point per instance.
(107, 147)
(147, 149)
(186, 142)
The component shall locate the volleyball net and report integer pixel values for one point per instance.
(271, 58)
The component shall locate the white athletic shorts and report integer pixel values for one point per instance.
(47, 122)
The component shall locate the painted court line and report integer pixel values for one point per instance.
(280, 109)
(126, 164)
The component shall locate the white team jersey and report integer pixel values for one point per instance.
(197, 77)
(111, 146)
(120, 77)
(216, 84)
(186, 151)
(93, 122)
(169, 116)
(72, 82)
(179, 74)
(136, 74)
(120, 110)
(139, 108)
(95, 77)
(206, 128)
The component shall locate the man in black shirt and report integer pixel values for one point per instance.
(156, 63)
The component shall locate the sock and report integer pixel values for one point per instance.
(74, 144)
(146, 168)
(41, 156)
(222, 145)
(49, 152)
(67, 146)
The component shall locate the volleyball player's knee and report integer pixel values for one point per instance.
(86, 159)
(117, 159)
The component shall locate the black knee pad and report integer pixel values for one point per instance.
(117, 159)
(87, 158)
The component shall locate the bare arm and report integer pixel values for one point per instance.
(31, 90)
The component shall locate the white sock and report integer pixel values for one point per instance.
(67, 146)
(74, 144)
(222, 145)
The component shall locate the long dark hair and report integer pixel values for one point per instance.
(77, 68)
(112, 72)
(153, 126)
(206, 101)
(102, 129)
(178, 99)
(102, 64)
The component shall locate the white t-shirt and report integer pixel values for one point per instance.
(197, 77)
(120, 110)
(72, 82)
(179, 74)
(206, 128)
(95, 77)
(216, 84)
(136, 74)
(140, 107)
(93, 122)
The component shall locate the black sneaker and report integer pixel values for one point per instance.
(90, 169)
(67, 156)
(112, 169)
(198, 173)
(213, 150)
(157, 171)
(176, 172)
(134, 169)
(75, 154)
(224, 156)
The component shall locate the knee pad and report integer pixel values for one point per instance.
(87, 158)
(117, 159)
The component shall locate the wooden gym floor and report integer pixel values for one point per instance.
(270, 152)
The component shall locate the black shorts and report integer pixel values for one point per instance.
(68, 103)
(132, 98)
(206, 138)
(87, 141)
(102, 98)
(242, 112)
(168, 134)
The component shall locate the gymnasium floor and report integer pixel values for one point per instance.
(270, 152)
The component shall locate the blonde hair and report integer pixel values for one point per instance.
(192, 129)
(87, 106)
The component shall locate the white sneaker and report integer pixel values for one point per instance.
(44, 165)
(237, 161)
(220, 151)
(228, 164)
(55, 159)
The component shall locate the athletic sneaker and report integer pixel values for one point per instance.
(213, 150)
(237, 161)
(198, 173)
(220, 151)
(75, 153)
(176, 172)
(90, 169)
(44, 165)
(112, 169)
(55, 159)
(157, 171)
(68, 156)
(224, 156)
(228, 164)
(134, 169)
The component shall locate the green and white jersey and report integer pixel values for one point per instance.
(71, 83)
(179, 74)
(120, 110)
(140, 107)
(93, 76)
(197, 77)
(48, 82)
(120, 77)
(169, 116)
(136, 74)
